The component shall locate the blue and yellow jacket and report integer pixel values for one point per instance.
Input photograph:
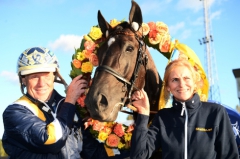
(33, 130)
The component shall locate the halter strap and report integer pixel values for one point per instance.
(140, 61)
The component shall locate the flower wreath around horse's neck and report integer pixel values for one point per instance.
(113, 134)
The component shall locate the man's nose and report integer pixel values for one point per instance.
(41, 81)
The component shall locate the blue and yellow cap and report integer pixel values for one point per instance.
(37, 59)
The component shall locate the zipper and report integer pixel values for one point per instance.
(185, 129)
(46, 107)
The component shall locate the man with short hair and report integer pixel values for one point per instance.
(42, 123)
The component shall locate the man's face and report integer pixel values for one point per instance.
(40, 85)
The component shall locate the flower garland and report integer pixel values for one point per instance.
(114, 134)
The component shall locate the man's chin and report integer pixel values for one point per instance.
(42, 97)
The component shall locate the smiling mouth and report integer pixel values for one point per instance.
(183, 90)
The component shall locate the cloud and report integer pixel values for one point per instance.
(174, 29)
(198, 21)
(11, 77)
(66, 43)
(215, 15)
(149, 7)
(154, 6)
(194, 5)
(185, 34)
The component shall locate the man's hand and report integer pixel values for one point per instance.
(77, 87)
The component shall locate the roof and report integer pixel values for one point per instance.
(236, 72)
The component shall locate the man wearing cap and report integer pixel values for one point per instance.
(42, 123)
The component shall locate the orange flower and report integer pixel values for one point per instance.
(76, 63)
(87, 53)
(112, 140)
(93, 59)
(107, 130)
(119, 130)
(154, 38)
(97, 125)
(88, 123)
(164, 45)
(130, 128)
(152, 25)
(80, 100)
(89, 46)
(110, 124)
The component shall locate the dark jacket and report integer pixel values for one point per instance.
(209, 132)
(32, 131)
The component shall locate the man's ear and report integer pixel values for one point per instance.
(24, 80)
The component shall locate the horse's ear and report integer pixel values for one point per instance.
(103, 24)
(135, 16)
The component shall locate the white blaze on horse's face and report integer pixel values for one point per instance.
(110, 41)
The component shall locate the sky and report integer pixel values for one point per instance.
(60, 24)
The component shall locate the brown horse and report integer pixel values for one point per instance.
(125, 65)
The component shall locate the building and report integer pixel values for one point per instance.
(236, 73)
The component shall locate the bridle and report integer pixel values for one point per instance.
(142, 59)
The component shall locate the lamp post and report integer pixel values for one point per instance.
(236, 73)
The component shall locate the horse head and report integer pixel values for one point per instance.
(125, 65)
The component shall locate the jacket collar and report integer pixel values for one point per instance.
(54, 97)
(192, 104)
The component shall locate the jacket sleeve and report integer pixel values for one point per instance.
(25, 130)
(226, 146)
(145, 140)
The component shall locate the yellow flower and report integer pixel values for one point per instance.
(80, 56)
(114, 23)
(109, 124)
(162, 28)
(121, 145)
(102, 136)
(145, 29)
(127, 136)
(95, 33)
(87, 67)
(87, 38)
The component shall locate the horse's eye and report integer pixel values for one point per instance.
(130, 48)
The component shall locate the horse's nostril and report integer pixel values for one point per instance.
(103, 100)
